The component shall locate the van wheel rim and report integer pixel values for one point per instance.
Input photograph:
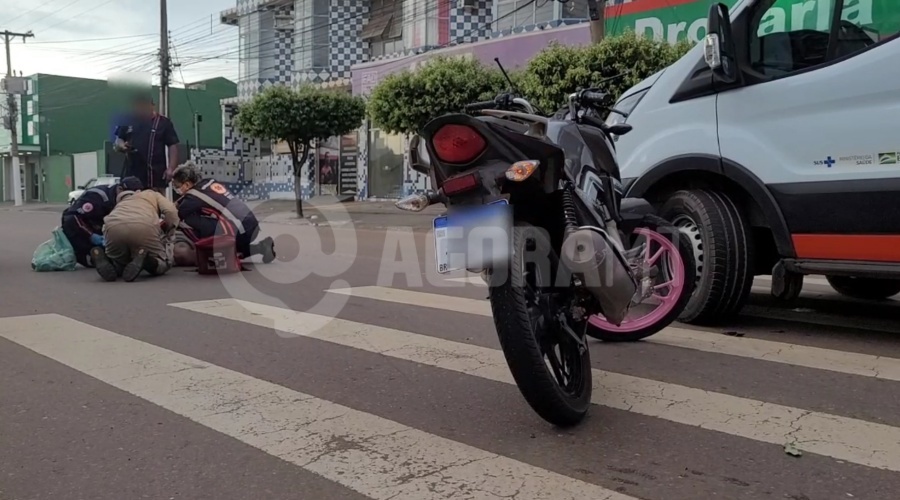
(689, 228)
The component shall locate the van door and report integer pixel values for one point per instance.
(817, 118)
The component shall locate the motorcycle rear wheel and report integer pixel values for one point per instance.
(670, 254)
(551, 369)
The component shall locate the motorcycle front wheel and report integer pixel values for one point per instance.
(552, 370)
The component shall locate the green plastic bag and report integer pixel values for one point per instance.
(55, 254)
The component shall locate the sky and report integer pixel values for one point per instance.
(107, 38)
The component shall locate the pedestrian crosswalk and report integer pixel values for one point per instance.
(377, 457)
(777, 352)
(384, 459)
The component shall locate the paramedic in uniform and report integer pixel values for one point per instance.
(136, 239)
(207, 208)
(152, 147)
(82, 222)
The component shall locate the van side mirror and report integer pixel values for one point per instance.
(718, 46)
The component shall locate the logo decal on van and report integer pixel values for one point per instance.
(888, 158)
(827, 162)
(857, 160)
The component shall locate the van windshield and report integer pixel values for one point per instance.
(792, 35)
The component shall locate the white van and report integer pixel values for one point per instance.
(775, 144)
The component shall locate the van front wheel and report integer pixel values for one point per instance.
(723, 252)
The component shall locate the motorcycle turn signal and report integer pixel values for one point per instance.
(521, 170)
(413, 203)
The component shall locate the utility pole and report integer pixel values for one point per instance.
(597, 14)
(164, 66)
(13, 117)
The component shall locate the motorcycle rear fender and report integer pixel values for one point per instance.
(633, 211)
(505, 145)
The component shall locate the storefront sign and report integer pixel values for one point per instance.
(347, 184)
(669, 20)
(687, 20)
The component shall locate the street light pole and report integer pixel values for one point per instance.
(13, 118)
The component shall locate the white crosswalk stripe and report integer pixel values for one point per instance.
(776, 352)
(842, 438)
(376, 457)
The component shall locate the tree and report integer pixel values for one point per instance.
(403, 102)
(299, 118)
(560, 70)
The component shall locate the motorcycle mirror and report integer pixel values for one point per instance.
(619, 129)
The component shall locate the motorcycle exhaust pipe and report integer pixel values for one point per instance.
(590, 254)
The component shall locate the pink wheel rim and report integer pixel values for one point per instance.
(658, 248)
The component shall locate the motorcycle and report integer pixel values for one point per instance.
(535, 204)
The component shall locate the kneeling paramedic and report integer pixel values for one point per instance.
(136, 239)
(82, 222)
(206, 209)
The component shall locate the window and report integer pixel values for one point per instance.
(793, 36)
(575, 9)
(244, 47)
(510, 14)
(384, 28)
(423, 20)
(311, 41)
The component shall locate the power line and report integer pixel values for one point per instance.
(80, 40)
(68, 19)
(57, 11)
(29, 11)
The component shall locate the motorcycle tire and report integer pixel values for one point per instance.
(522, 344)
(685, 250)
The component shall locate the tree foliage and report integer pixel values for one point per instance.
(560, 70)
(299, 118)
(403, 102)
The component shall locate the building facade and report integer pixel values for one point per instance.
(353, 44)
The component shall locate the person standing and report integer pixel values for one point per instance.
(136, 240)
(151, 145)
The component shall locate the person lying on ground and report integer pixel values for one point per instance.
(207, 208)
(82, 221)
(136, 240)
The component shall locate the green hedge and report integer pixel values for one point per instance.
(405, 101)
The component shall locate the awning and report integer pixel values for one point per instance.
(376, 26)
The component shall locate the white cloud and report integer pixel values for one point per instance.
(197, 36)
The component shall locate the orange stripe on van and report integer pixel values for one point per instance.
(868, 247)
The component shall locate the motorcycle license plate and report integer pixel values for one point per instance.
(472, 237)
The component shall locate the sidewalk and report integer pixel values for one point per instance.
(370, 214)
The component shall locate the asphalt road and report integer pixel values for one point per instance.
(265, 385)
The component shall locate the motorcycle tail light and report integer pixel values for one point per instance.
(459, 184)
(455, 143)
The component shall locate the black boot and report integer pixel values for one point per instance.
(105, 268)
(134, 268)
(266, 248)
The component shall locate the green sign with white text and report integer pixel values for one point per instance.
(674, 20)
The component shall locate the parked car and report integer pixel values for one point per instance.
(106, 180)
(773, 144)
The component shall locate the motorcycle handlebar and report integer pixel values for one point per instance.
(590, 97)
(478, 106)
